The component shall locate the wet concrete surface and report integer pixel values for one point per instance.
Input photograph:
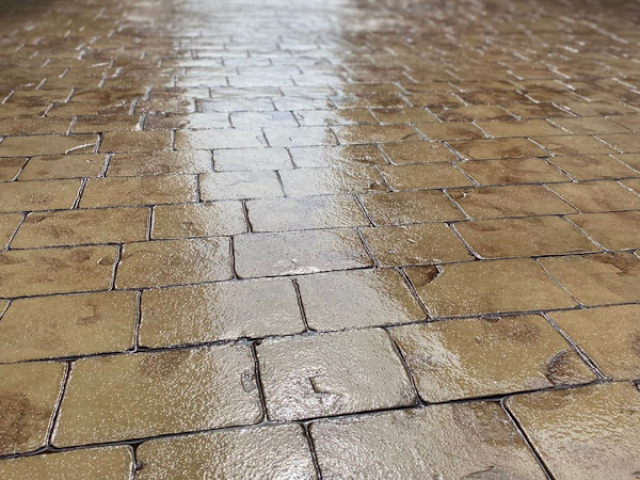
(340, 239)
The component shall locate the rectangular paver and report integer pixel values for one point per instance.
(140, 395)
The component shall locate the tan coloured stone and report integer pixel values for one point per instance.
(159, 163)
(609, 336)
(513, 171)
(574, 145)
(519, 128)
(299, 136)
(364, 134)
(225, 311)
(28, 396)
(419, 244)
(445, 441)
(598, 279)
(110, 192)
(32, 196)
(598, 196)
(410, 207)
(623, 142)
(492, 149)
(82, 227)
(591, 432)
(141, 395)
(135, 141)
(111, 463)
(8, 225)
(67, 326)
(64, 166)
(418, 152)
(56, 270)
(424, 176)
(47, 145)
(307, 377)
(326, 156)
(174, 262)
(199, 220)
(475, 288)
(612, 230)
(591, 167)
(458, 359)
(10, 168)
(336, 301)
(513, 201)
(525, 237)
(290, 253)
(271, 453)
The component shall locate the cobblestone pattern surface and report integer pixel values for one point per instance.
(337, 239)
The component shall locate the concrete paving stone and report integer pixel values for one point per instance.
(418, 244)
(82, 227)
(446, 441)
(291, 253)
(304, 213)
(597, 279)
(511, 201)
(513, 171)
(341, 300)
(453, 360)
(108, 463)
(332, 374)
(198, 220)
(499, 286)
(332, 181)
(56, 270)
(598, 196)
(174, 262)
(612, 230)
(68, 326)
(130, 396)
(113, 192)
(239, 185)
(271, 453)
(8, 225)
(224, 311)
(410, 207)
(524, 237)
(159, 163)
(430, 184)
(64, 166)
(28, 396)
(28, 196)
(591, 431)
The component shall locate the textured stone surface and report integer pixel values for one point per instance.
(112, 463)
(475, 358)
(225, 311)
(335, 301)
(137, 396)
(28, 395)
(68, 326)
(270, 453)
(428, 183)
(447, 441)
(332, 374)
(590, 431)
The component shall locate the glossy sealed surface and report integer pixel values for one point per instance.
(337, 239)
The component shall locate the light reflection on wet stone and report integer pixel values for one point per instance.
(445, 192)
